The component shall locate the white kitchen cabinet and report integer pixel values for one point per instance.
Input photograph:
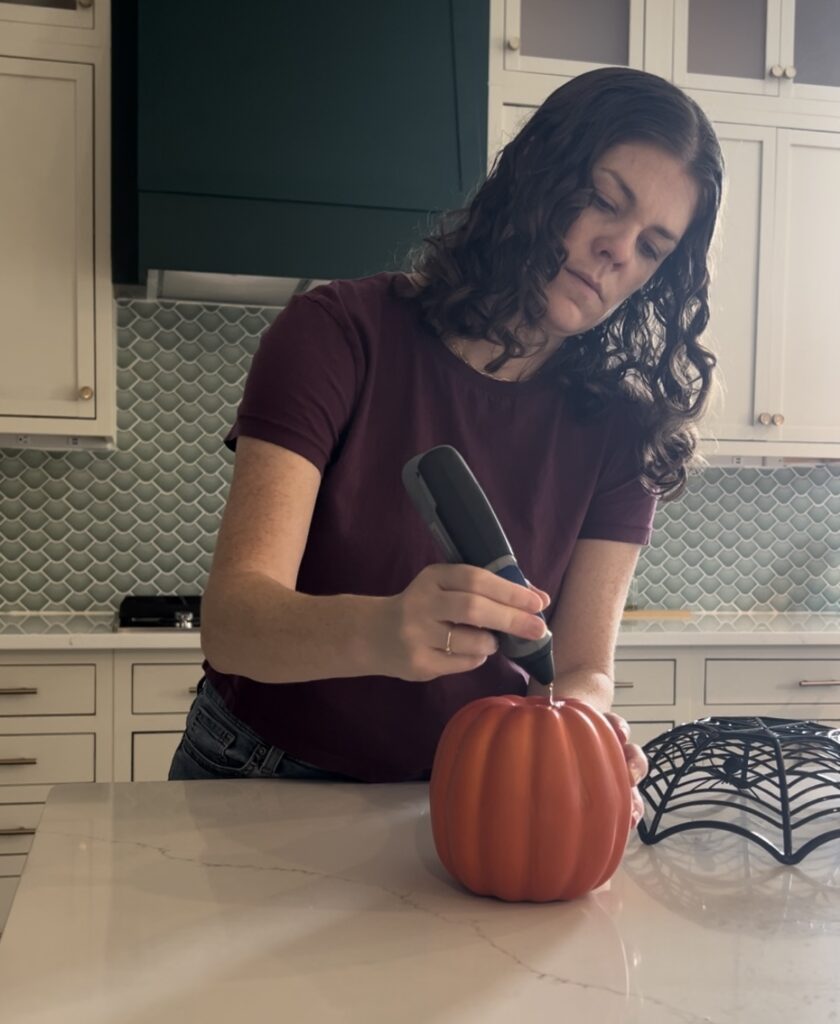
(151, 754)
(74, 22)
(18, 823)
(562, 37)
(57, 328)
(804, 376)
(781, 50)
(740, 327)
(782, 681)
(649, 691)
(645, 695)
(56, 726)
(651, 682)
(153, 691)
(773, 296)
(774, 681)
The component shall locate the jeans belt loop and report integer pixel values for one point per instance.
(271, 761)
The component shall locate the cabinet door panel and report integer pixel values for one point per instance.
(645, 682)
(727, 47)
(563, 37)
(51, 689)
(161, 689)
(740, 264)
(32, 759)
(46, 244)
(811, 36)
(805, 365)
(642, 732)
(18, 823)
(816, 32)
(772, 682)
(152, 755)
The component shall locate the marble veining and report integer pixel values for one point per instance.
(206, 901)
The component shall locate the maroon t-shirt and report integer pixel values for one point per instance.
(349, 377)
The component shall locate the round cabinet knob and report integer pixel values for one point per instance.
(778, 419)
(777, 71)
(790, 72)
(765, 419)
(514, 43)
(85, 394)
(85, 3)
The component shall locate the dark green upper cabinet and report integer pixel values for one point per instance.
(294, 139)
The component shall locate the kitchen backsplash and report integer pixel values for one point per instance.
(79, 530)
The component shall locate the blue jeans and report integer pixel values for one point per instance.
(217, 745)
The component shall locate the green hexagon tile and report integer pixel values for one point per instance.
(79, 530)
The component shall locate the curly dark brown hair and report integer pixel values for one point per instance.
(482, 272)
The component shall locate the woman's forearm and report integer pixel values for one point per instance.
(253, 626)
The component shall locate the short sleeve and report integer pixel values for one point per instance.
(303, 382)
(620, 509)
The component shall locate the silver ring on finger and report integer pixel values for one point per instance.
(448, 648)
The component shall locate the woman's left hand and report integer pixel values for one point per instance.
(637, 764)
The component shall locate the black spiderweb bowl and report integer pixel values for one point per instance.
(775, 781)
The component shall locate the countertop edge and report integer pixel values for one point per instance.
(129, 641)
(753, 638)
(175, 640)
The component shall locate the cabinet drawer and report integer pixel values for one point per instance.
(7, 894)
(644, 732)
(151, 755)
(47, 758)
(163, 689)
(11, 865)
(644, 682)
(47, 690)
(17, 826)
(772, 681)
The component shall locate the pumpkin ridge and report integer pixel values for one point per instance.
(570, 804)
(466, 795)
(594, 740)
(548, 760)
(505, 825)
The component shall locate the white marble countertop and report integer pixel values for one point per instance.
(313, 902)
(713, 629)
(95, 631)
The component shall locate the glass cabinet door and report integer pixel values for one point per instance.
(565, 37)
(728, 47)
(812, 65)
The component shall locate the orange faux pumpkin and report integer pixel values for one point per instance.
(530, 800)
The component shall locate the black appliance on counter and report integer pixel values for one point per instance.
(159, 612)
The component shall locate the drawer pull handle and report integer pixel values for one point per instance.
(819, 682)
(21, 830)
(623, 686)
(17, 760)
(18, 691)
(192, 689)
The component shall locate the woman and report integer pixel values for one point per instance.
(549, 332)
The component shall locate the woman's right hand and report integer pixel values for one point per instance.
(454, 606)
